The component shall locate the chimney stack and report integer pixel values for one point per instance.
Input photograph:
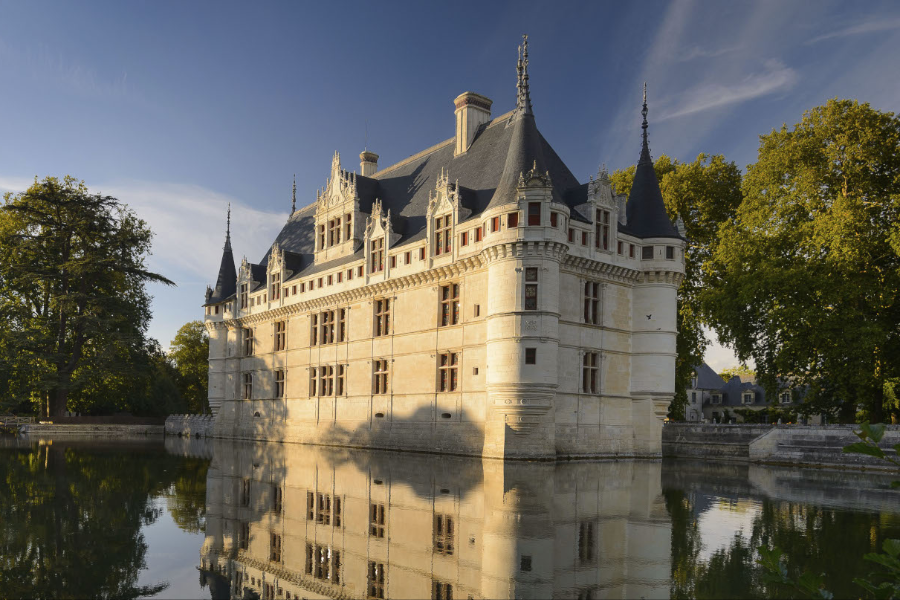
(368, 163)
(472, 111)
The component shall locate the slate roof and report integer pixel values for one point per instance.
(226, 282)
(707, 379)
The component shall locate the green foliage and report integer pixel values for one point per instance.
(807, 584)
(72, 294)
(704, 193)
(740, 371)
(190, 352)
(806, 279)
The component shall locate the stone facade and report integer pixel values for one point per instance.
(285, 521)
(472, 299)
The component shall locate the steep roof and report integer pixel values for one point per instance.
(226, 282)
(646, 210)
(707, 379)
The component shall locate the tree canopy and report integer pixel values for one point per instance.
(806, 279)
(72, 292)
(190, 353)
(704, 193)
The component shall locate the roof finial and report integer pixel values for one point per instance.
(645, 146)
(294, 196)
(228, 229)
(523, 96)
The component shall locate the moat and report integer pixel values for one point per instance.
(187, 518)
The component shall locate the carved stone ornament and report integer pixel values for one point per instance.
(276, 259)
(445, 198)
(339, 188)
(534, 178)
(600, 190)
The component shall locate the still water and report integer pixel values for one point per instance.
(192, 519)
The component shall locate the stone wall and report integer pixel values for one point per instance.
(56, 431)
(189, 425)
(696, 440)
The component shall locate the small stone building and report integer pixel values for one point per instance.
(474, 298)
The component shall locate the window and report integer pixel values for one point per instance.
(591, 302)
(534, 213)
(313, 381)
(302, 287)
(279, 383)
(322, 562)
(318, 509)
(477, 311)
(589, 367)
(330, 279)
(747, 398)
(340, 276)
(334, 231)
(447, 371)
(245, 492)
(382, 316)
(586, 542)
(512, 220)
(268, 591)
(584, 238)
(359, 271)
(321, 237)
(620, 248)
(407, 258)
(630, 250)
(670, 252)
(393, 262)
(449, 304)
(443, 535)
(314, 330)
(571, 235)
(376, 520)
(244, 535)
(275, 548)
(441, 590)
(349, 274)
(377, 247)
(478, 234)
(530, 356)
(319, 285)
(276, 286)
(531, 288)
(342, 325)
(277, 498)
(421, 253)
(326, 381)
(495, 224)
(646, 252)
(554, 219)
(601, 230)
(280, 335)
(248, 341)
(375, 580)
(380, 376)
(693, 397)
(716, 398)
(525, 563)
(785, 397)
(464, 238)
(441, 235)
(248, 386)
(348, 226)
(341, 381)
(243, 295)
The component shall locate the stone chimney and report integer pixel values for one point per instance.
(472, 111)
(368, 163)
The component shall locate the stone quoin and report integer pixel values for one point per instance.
(474, 298)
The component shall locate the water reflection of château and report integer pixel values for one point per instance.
(290, 521)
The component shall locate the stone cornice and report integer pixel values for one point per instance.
(668, 277)
(375, 290)
(588, 267)
(522, 249)
(279, 571)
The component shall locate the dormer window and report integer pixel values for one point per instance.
(348, 226)
(601, 233)
(334, 232)
(747, 398)
(321, 237)
(785, 397)
(377, 247)
(442, 243)
(243, 295)
(534, 213)
(276, 286)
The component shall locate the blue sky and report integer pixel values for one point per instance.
(179, 108)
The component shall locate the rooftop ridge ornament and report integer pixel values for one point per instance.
(228, 229)
(523, 94)
(294, 196)
(645, 145)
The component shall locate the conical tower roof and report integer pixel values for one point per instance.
(646, 211)
(226, 283)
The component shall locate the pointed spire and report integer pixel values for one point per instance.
(645, 145)
(228, 230)
(294, 196)
(523, 94)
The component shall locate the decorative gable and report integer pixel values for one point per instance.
(445, 211)
(337, 221)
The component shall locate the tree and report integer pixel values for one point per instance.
(806, 279)
(741, 371)
(190, 352)
(704, 193)
(72, 288)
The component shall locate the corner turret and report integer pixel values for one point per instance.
(226, 282)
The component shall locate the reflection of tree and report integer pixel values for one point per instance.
(72, 520)
(186, 498)
(816, 539)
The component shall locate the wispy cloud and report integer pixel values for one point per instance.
(776, 77)
(695, 52)
(873, 26)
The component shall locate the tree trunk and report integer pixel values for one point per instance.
(58, 401)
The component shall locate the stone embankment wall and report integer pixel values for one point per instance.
(815, 445)
(189, 425)
(52, 430)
